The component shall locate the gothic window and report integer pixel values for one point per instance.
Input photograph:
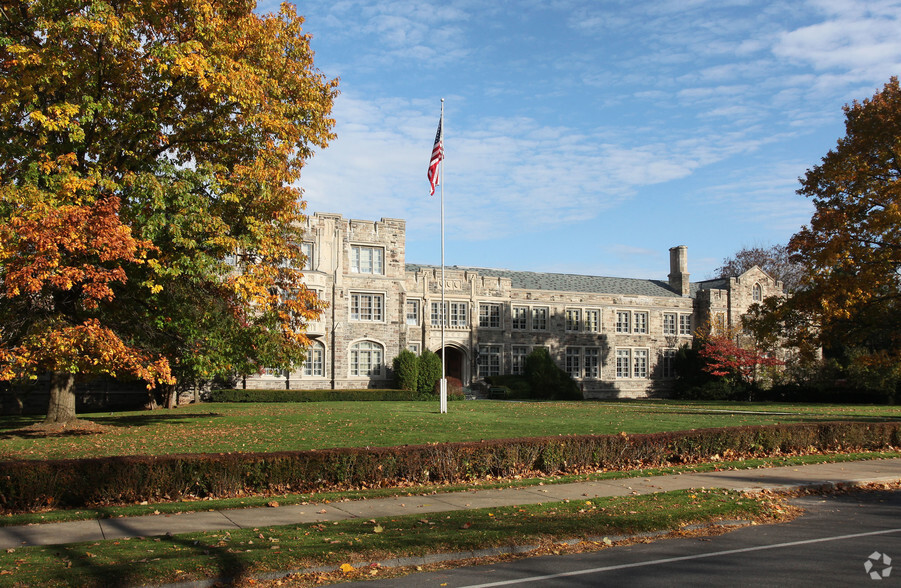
(490, 316)
(367, 260)
(413, 312)
(520, 318)
(455, 313)
(623, 363)
(518, 355)
(640, 363)
(592, 362)
(668, 363)
(366, 358)
(489, 360)
(669, 323)
(307, 250)
(592, 321)
(367, 307)
(573, 362)
(641, 322)
(314, 364)
(622, 321)
(685, 324)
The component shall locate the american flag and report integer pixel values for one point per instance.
(437, 156)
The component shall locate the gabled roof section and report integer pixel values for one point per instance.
(715, 284)
(566, 282)
(759, 270)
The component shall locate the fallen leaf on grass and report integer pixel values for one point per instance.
(377, 529)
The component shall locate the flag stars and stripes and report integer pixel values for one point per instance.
(437, 156)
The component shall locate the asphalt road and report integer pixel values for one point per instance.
(829, 545)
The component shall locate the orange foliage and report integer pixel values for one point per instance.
(68, 247)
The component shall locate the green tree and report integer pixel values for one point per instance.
(406, 370)
(148, 214)
(429, 372)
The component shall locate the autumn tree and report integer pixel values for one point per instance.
(849, 300)
(775, 261)
(149, 219)
(853, 242)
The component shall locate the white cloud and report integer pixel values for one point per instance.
(859, 45)
(764, 198)
(503, 176)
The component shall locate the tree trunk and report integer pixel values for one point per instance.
(62, 398)
(171, 396)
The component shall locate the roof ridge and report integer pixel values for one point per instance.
(567, 282)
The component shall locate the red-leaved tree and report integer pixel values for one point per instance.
(723, 357)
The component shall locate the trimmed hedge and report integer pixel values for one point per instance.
(29, 485)
(238, 395)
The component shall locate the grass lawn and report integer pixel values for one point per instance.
(263, 427)
(354, 544)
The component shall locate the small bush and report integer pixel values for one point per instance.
(717, 389)
(517, 387)
(454, 388)
(547, 380)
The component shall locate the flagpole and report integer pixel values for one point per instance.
(443, 385)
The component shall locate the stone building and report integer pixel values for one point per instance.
(616, 336)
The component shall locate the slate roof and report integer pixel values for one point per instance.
(567, 282)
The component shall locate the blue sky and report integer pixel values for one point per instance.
(590, 136)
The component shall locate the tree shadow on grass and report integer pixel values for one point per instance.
(151, 418)
(32, 427)
(217, 562)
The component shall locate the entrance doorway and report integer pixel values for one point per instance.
(455, 363)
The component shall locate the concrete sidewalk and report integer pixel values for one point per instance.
(781, 478)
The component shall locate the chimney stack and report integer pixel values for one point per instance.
(678, 270)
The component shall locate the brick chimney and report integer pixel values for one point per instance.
(678, 270)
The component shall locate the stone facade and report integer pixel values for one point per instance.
(616, 336)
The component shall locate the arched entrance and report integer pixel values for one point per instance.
(455, 364)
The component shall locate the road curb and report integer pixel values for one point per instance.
(435, 558)
(811, 487)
